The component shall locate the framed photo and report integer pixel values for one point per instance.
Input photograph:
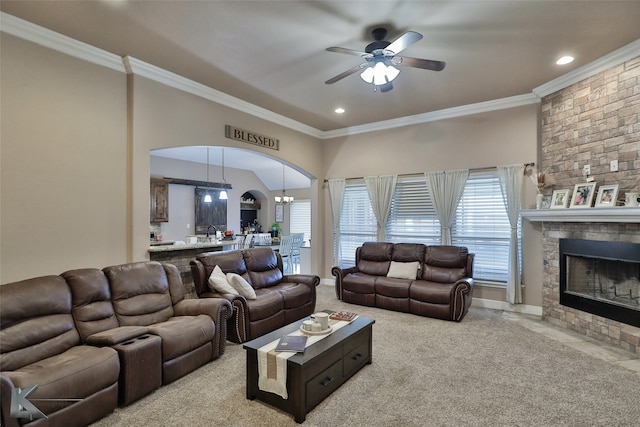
(607, 196)
(583, 195)
(279, 212)
(546, 202)
(559, 199)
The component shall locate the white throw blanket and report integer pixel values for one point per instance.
(274, 378)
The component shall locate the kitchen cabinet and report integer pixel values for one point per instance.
(159, 200)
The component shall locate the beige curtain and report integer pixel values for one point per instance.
(380, 189)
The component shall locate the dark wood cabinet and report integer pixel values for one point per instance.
(159, 200)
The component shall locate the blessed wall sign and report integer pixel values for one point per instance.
(251, 137)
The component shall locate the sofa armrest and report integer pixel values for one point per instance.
(463, 294)
(219, 309)
(114, 336)
(339, 274)
(306, 279)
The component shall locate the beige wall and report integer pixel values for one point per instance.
(63, 168)
(496, 138)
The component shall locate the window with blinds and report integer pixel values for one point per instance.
(481, 224)
(413, 218)
(357, 223)
(300, 218)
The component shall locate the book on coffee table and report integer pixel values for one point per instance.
(295, 343)
(346, 316)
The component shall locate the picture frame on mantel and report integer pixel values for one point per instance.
(559, 199)
(583, 195)
(607, 196)
(279, 212)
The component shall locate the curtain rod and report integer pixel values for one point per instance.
(526, 165)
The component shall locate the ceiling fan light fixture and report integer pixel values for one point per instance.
(367, 75)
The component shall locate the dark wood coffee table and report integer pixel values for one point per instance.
(316, 373)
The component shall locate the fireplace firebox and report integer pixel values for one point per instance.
(601, 278)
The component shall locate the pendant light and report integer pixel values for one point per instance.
(223, 193)
(207, 197)
(284, 198)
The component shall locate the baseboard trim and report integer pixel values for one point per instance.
(505, 306)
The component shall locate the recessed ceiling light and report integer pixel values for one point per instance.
(339, 110)
(564, 60)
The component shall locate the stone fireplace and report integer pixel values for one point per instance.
(602, 278)
(579, 319)
(591, 122)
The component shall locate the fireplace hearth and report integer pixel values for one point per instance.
(602, 278)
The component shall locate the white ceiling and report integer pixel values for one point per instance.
(272, 53)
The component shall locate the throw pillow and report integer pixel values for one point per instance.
(241, 285)
(403, 270)
(218, 282)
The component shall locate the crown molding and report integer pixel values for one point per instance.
(617, 57)
(28, 31)
(50, 39)
(143, 69)
(463, 110)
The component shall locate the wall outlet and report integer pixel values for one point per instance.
(613, 166)
(188, 226)
(586, 170)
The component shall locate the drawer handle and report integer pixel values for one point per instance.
(326, 381)
(357, 356)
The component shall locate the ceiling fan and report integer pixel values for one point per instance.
(381, 58)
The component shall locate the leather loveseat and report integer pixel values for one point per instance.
(431, 281)
(90, 339)
(279, 299)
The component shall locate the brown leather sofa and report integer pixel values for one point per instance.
(439, 283)
(280, 299)
(101, 337)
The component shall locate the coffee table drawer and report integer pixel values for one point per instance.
(356, 359)
(323, 384)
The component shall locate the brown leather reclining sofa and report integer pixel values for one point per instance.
(431, 281)
(280, 299)
(91, 339)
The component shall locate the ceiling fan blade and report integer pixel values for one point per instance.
(404, 41)
(345, 74)
(346, 51)
(427, 64)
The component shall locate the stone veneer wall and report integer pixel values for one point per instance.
(591, 122)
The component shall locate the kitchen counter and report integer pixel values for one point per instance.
(170, 248)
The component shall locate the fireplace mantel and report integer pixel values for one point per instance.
(617, 214)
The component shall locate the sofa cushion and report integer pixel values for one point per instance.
(445, 264)
(408, 252)
(218, 282)
(91, 301)
(359, 283)
(74, 374)
(404, 270)
(392, 287)
(268, 303)
(374, 258)
(182, 334)
(36, 321)
(431, 292)
(241, 286)
(140, 293)
(262, 265)
(294, 294)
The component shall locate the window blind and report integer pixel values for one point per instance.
(357, 222)
(300, 218)
(413, 218)
(481, 224)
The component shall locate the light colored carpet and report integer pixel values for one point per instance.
(484, 371)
